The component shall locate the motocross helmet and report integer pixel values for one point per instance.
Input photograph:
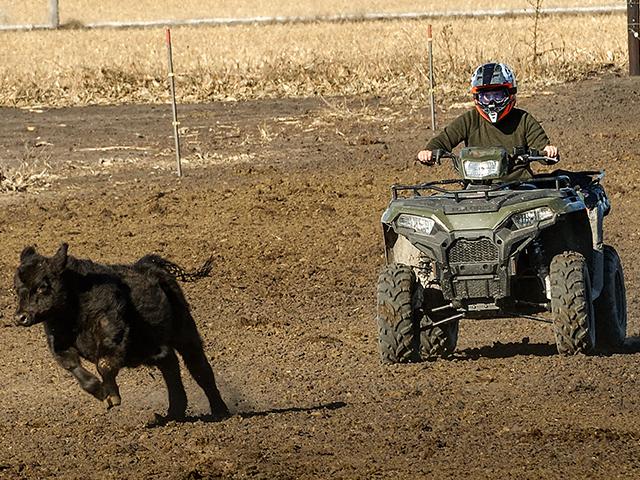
(494, 88)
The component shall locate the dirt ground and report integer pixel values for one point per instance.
(287, 197)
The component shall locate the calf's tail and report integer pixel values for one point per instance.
(176, 270)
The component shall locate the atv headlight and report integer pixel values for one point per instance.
(422, 225)
(531, 217)
(480, 170)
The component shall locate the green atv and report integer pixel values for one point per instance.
(484, 246)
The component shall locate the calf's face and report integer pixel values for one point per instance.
(38, 284)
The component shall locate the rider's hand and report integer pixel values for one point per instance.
(426, 157)
(551, 151)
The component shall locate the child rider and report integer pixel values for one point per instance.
(494, 122)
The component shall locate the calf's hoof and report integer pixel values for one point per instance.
(113, 401)
(158, 421)
(176, 415)
(162, 420)
(221, 413)
(219, 409)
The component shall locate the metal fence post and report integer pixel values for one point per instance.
(633, 18)
(54, 15)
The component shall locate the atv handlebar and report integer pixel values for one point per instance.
(439, 154)
(531, 155)
(520, 156)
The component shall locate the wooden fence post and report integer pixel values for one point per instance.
(54, 15)
(432, 94)
(633, 17)
(174, 110)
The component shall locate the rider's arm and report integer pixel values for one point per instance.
(453, 134)
(536, 136)
(450, 137)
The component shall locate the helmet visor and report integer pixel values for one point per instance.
(497, 97)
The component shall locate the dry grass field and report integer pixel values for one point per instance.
(35, 11)
(77, 67)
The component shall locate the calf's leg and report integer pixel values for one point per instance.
(108, 369)
(170, 368)
(196, 361)
(70, 360)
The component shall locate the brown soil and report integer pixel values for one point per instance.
(287, 196)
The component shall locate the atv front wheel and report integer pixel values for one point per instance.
(397, 327)
(441, 340)
(611, 306)
(571, 305)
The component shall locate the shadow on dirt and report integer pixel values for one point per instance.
(631, 345)
(325, 406)
(512, 349)
(507, 350)
(161, 421)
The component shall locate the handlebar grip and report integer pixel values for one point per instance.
(544, 159)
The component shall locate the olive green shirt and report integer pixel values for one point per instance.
(517, 129)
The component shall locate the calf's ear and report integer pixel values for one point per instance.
(27, 252)
(59, 260)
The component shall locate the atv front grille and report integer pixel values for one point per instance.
(473, 251)
(477, 288)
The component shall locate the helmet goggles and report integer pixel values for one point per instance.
(498, 97)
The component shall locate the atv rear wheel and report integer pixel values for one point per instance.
(571, 305)
(397, 325)
(439, 341)
(611, 306)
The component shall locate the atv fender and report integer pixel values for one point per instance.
(576, 229)
(399, 249)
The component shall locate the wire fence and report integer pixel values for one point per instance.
(54, 18)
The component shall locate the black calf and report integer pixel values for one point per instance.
(115, 316)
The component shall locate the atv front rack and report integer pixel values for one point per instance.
(435, 186)
(557, 182)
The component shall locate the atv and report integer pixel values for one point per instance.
(489, 246)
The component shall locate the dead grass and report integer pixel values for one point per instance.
(31, 174)
(77, 67)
